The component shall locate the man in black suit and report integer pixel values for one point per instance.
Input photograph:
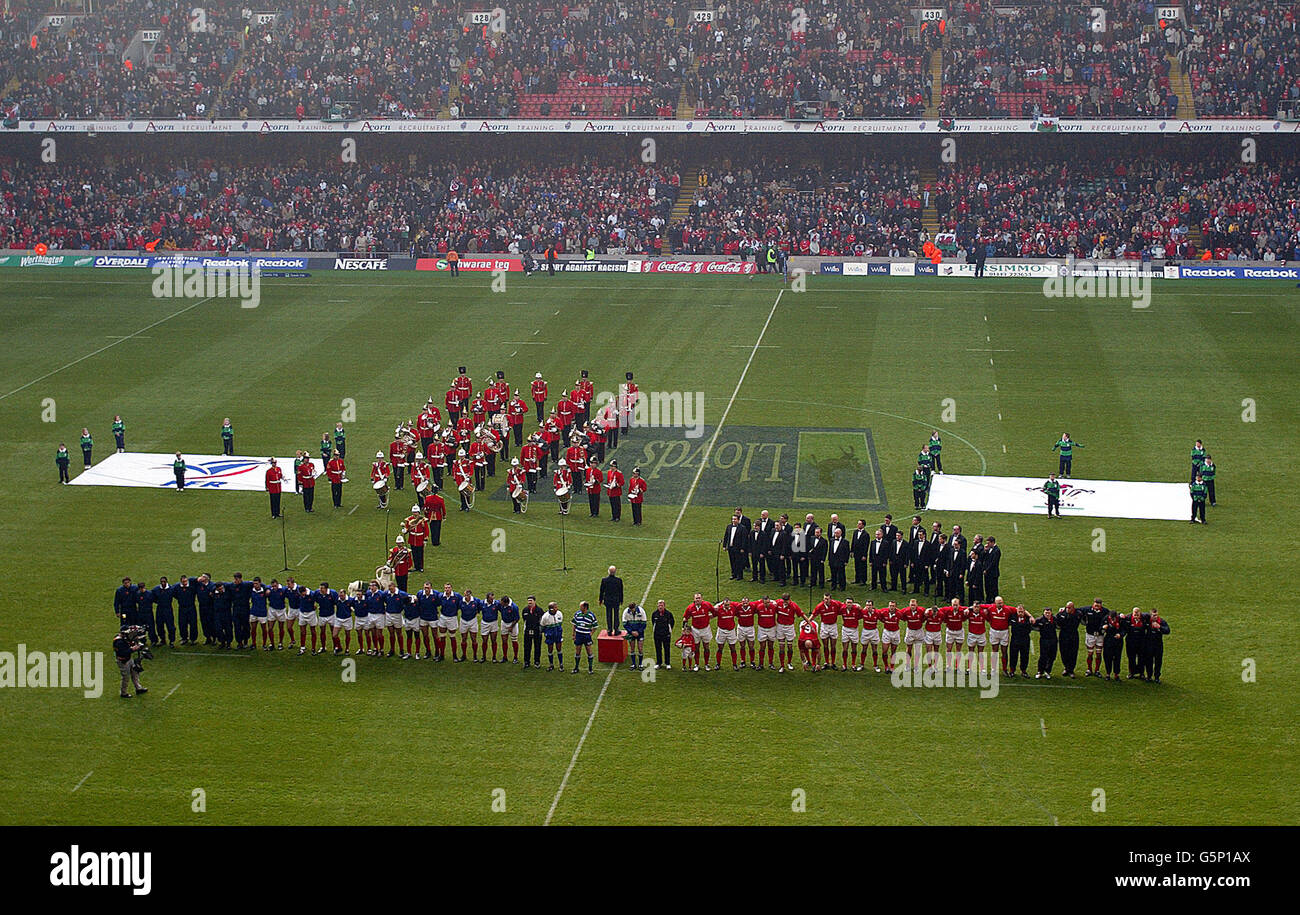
(897, 562)
(940, 557)
(918, 529)
(975, 577)
(958, 538)
(888, 529)
(879, 558)
(817, 550)
(778, 552)
(736, 540)
(838, 556)
(860, 547)
(798, 555)
(992, 559)
(918, 563)
(744, 519)
(760, 543)
(835, 525)
(957, 565)
(611, 598)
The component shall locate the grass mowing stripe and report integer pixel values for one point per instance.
(664, 552)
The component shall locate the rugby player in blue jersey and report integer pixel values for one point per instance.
(448, 619)
(584, 623)
(469, 610)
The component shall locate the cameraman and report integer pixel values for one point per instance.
(125, 644)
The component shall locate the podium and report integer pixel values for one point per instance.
(610, 649)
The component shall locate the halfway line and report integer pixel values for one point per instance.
(690, 493)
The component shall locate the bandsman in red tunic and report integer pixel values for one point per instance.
(593, 480)
(636, 488)
(274, 486)
(614, 486)
(539, 397)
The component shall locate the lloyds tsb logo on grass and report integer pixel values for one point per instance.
(1100, 280)
(209, 278)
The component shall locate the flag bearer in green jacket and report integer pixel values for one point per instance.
(1198, 491)
(63, 459)
(87, 443)
(1052, 488)
(1207, 477)
(1198, 458)
(119, 433)
(1066, 446)
(920, 484)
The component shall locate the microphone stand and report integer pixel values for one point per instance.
(717, 574)
(564, 566)
(284, 544)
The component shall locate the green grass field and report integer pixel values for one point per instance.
(274, 738)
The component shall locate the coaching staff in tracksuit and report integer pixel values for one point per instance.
(1153, 651)
(1021, 625)
(1046, 626)
(1068, 620)
(663, 622)
(532, 617)
(1135, 637)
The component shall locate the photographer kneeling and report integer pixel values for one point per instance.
(126, 643)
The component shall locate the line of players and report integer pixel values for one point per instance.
(763, 633)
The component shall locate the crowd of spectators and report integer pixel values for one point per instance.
(1023, 202)
(1243, 57)
(1047, 60)
(481, 204)
(1122, 206)
(620, 58)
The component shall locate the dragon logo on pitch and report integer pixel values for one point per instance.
(212, 474)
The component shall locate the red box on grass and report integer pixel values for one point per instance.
(610, 649)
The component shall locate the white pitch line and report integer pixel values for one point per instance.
(1042, 726)
(108, 346)
(1022, 582)
(1015, 528)
(304, 559)
(523, 343)
(764, 346)
(690, 493)
(354, 508)
(172, 690)
(1004, 449)
(513, 355)
(83, 780)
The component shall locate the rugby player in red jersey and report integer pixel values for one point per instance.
(850, 635)
(914, 638)
(954, 620)
(976, 635)
(827, 613)
(870, 634)
(933, 633)
(765, 611)
(746, 610)
(725, 611)
(999, 617)
(698, 613)
(786, 613)
(889, 637)
(808, 643)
